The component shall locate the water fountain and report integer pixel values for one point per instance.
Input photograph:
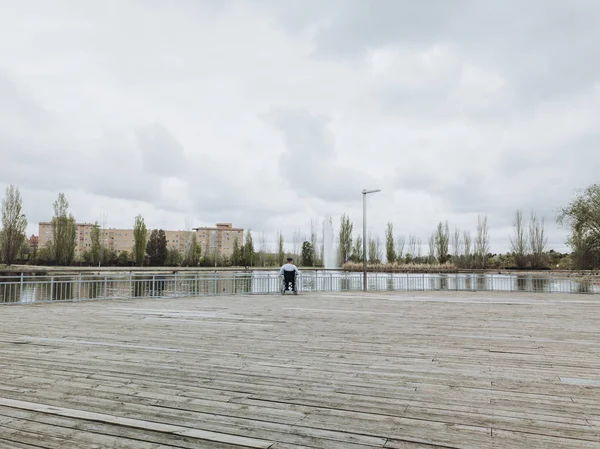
(329, 246)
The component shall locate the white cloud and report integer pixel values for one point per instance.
(268, 114)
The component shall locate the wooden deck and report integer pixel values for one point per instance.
(335, 371)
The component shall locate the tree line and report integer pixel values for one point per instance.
(528, 242)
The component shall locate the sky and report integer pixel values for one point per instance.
(271, 113)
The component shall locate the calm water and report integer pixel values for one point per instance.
(57, 288)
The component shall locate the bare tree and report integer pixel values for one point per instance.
(314, 240)
(467, 256)
(431, 256)
(518, 241)
(262, 245)
(296, 244)
(412, 245)
(442, 238)
(482, 242)
(537, 240)
(456, 244)
(14, 224)
(419, 247)
(400, 243)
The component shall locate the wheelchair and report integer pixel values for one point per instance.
(288, 282)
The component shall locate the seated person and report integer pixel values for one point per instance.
(289, 272)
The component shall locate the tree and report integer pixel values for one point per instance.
(482, 243)
(14, 223)
(372, 250)
(308, 254)
(124, 258)
(431, 243)
(236, 254)
(400, 243)
(441, 240)
(248, 250)
(357, 250)
(174, 258)
(95, 251)
(194, 251)
(263, 248)
(456, 245)
(390, 248)
(280, 251)
(157, 248)
(537, 241)
(140, 234)
(467, 259)
(64, 232)
(518, 241)
(345, 238)
(296, 243)
(314, 241)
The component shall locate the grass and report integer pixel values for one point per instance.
(403, 268)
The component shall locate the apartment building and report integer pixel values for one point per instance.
(220, 238)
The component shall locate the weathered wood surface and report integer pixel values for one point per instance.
(398, 370)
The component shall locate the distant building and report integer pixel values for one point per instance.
(33, 243)
(219, 239)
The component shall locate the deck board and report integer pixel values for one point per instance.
(419, 370)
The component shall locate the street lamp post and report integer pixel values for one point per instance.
(365, 193)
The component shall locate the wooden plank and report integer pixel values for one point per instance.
(136, 423)
(440, 369)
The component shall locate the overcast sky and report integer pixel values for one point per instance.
(270, 113)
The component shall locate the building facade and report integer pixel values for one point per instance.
(219, 238)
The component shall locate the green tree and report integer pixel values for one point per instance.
(95, 251)
(14, 223)
(390, 249)
(248, 253)
(157, 248)
(345, 238)
(64, 232)
(236, 254)
(193, 252)
(140, 239)
(582, 216)
(174, 258)
(357, 250)
(280, 251)
(124, 258)
(308, 254)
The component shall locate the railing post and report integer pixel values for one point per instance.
(21, 288)
(52, 288)
(131, 295)
(153, 285)
(175, 284)
(215, 281)
(550, 281)
(105, 286)
(79, 287)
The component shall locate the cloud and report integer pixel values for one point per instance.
(268, 113)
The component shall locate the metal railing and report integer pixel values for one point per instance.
(28, 289)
